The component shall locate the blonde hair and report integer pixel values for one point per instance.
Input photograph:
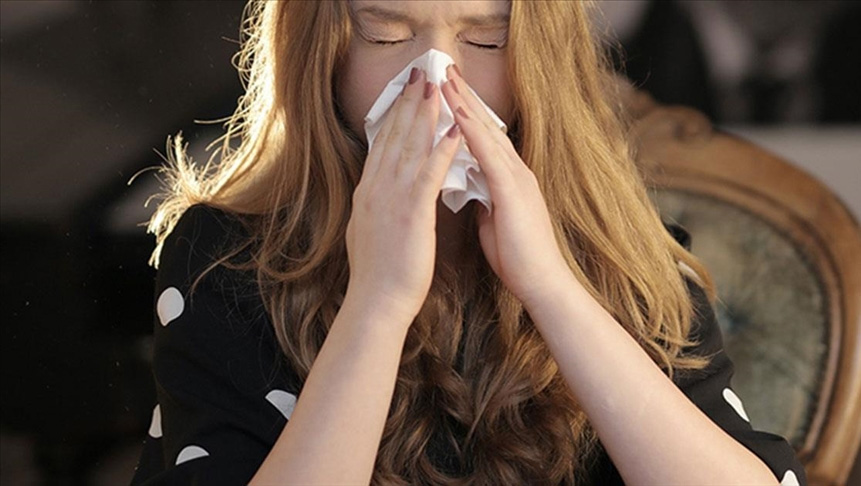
(505, 410)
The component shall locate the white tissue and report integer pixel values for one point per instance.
(464, 180)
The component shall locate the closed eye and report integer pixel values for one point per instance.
(480, 46)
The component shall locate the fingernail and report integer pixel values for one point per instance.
(457, 70)
(454, 86)
(453, 132)
(414, 75)
(461, 112)
(428, 90)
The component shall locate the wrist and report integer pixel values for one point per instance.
(563, 287)
(378, 310)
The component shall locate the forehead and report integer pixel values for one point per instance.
(471, 12)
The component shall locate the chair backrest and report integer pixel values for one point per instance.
(785, 255)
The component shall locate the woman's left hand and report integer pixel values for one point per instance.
(517, 237)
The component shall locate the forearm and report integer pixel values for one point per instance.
(653, 433)
(333, 435)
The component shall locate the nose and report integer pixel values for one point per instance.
(445, 43)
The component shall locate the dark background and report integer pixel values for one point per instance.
(90, 91)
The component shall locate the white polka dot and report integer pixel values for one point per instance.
(789, 479)
(190, 453)
(689, 272)
(155, 425)
(283, 401)
(735, 402)
(170, 305)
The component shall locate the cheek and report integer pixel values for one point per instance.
(496, 92)
(364, 79)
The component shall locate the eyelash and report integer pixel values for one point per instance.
(489, 47)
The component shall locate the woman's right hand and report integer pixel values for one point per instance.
(391, 235)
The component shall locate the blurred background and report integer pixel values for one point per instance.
(89, 92)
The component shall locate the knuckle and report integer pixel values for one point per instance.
(396, 132)
(404, 218)
(411, 148)
(366, 205)
(427, 108)
(425, 176)
(363, 200)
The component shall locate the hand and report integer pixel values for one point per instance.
(391, 235)
(517, 237)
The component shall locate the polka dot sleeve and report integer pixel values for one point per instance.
(223, 393)
(710, 389)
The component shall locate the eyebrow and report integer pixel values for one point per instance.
(393, 15)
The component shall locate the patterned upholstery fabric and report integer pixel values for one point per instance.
(771, 309)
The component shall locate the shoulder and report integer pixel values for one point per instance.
(214, 342)
(202, 234)
(192, 253)
(202, 283)
(224, 388)
(202, 301)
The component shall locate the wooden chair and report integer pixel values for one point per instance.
(785, 254)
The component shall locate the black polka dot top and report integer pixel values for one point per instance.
(225, 391)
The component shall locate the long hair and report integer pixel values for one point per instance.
(289, 164)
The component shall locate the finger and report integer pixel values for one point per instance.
(492, 158)
(431, 174)
(375, 154)
(403, 123)
(464, 92)
(419, 142)
(460, 93)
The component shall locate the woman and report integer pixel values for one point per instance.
(553, 340)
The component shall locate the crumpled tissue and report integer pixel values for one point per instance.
(464, 180)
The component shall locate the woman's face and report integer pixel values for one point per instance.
(416, 26)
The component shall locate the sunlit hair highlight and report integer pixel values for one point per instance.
(288, 165)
